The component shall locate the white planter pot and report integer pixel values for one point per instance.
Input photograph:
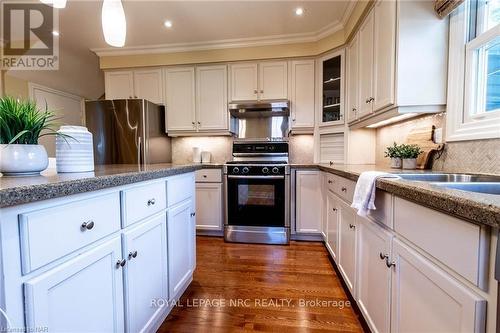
(23, 160)
(409, 163)
(395, 163)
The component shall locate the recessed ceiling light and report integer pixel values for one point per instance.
(168, 24)
(299, 11)
(55, 33)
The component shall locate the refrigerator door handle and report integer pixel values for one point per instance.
(139, 150)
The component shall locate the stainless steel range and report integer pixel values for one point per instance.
(257, 191)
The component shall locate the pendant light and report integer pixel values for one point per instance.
(55, 3)
(114, 25)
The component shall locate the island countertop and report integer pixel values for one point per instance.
(50, 184)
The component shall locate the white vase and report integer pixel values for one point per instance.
(409, 163)
(75, 150)
(22, 160)
(395, 163)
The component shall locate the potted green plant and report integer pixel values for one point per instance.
(393, 152)
(409, 154)
(22, 123)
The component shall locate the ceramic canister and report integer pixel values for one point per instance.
(74, 150)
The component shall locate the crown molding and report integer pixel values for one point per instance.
(308, 37)
(348, 12)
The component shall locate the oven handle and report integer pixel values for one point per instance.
(255, 177)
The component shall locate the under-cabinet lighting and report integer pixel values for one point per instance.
(168, 24)
(392, 120)
(299, 11)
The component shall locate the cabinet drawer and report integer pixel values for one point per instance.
(345, 189)
(180, 188)
(460, 245)
(51, 233)
(142, 201)
(208, 176)
(332, 182)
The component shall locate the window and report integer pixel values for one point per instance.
(474, 71)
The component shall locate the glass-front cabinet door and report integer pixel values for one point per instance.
(332, 89)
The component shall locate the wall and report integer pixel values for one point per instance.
(479, 156)
(15, 87)
(219, 146)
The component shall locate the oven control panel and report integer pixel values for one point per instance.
(257, 170)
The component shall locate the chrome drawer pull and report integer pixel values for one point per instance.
(383, 256)
(151, 202)
(87, 225)
(351, 226)
(389, 264)
(132, 255)
(121, 263)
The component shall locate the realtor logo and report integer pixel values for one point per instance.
(28, 42)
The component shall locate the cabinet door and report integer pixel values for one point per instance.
(308, 202)
(384, 57)
(352, 79)
(366, 66)
(146, 276)
(180, 99)
(148, 85)
(243, 82)
(302, 94)
(211, 98)
(273, 80)
(180, 239)
(373, 281)
(332, 221)
(347, 245)
(85, 293)
(427, 299)
(209, 206)
(119, 85)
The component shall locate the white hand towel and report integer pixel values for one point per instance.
(364, 194)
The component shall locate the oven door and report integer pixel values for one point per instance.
(257, 201)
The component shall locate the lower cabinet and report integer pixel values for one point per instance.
(332, 224)
(209, 206)
(181, 246)
(373, 276)
(146, 279)
(84, 293)
(426, 299)
(308, 202)
(347, 245)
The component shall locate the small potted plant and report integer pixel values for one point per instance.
(409, 154)
(393, 152)
(22, 123)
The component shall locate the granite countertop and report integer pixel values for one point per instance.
(475, 207)
(50, 184)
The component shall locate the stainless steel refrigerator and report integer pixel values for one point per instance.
(128, 131)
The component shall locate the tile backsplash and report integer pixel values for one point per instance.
(218, 146)
(301, 149)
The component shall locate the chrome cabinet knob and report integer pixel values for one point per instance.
(343, 189)
(262, 91)
(354, 110)
(87, 225)
(329, 181)
(193, 214)
(151, 202)
(132, 255)
(121, 263)
(383, 256)
(255, 91)
(204, 176)
(331, 162)
(389, 264)
(334, 209)
(352, 226)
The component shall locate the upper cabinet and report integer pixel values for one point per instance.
(211, 98)
(401, 56)
(258, 81)
(302, 96)
(180, 98)
(147, 84)
(331, 69)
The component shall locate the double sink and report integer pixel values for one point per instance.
(458, 181)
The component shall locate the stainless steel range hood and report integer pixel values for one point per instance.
(260, 109)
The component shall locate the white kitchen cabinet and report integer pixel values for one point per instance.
(148, 84)
(209, 206)
(146, 274)
(119, 84)
(180, 99)
(211, 98)
(84, 293)
(331, 79)
(352, 79)
(426, 299)
(373, 280)
(258, 81)
(302, 96)
(308, 201)
(244, 82)
(332, 221)
(273, 83)
(180, 238)
(366, 66)
(347, 245)
(384, 54)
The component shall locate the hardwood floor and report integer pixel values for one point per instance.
(272, 284)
